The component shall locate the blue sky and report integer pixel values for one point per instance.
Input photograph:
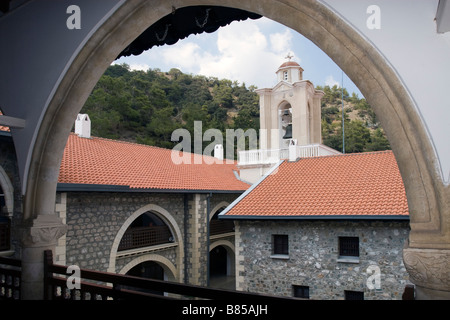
(246, 51)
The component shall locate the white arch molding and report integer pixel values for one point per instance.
(171, 223)
(219, 206)
(231, 251)
(357, 57)
(8, 191)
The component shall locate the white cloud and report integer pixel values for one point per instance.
(247, 51)
(185, 55)
(139, 66)
(281, 42)
(329, 81)
(239, 51)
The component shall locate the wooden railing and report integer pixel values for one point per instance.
(145, 236)
(220, 227)
(96, 285)
(10, 278)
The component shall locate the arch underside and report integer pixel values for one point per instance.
(356, 56)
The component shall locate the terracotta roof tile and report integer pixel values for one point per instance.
(109, 162)
(364, 184)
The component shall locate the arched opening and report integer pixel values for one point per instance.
(218, 227)
(358, 58)
(373, 76)
(148, 270)
(145, 231)
(285, 125)
(221, 267)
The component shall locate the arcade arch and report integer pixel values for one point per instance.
(167, 218)
(356, 56)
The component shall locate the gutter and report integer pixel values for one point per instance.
(318, 217)
(81, 187)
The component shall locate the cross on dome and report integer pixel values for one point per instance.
(289, 56)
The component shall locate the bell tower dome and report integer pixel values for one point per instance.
(290, 71)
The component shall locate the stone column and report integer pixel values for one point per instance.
(429, 270)
(42, 235)
(197, 267)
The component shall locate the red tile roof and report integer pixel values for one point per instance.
(101, 161)
(364, 184)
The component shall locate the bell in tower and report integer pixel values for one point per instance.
(288, 134)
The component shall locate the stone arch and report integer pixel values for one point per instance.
(8, 191)
(217, 208)
(356, 56)
(166, 217)
(231, 251)
(169, 268)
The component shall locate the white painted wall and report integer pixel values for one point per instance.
(409, 41)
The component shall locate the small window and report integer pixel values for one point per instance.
(349, 246)
(280, 244)
(285, 76)
(301, 292)
(353, 295)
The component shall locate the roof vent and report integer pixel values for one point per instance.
(83, 126)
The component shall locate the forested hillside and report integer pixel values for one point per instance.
(146, 107)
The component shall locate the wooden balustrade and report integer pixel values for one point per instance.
(220, 226)
(145, 236)
(10, 278)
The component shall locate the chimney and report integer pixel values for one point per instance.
(293, 150)
(218, 151)
(83, 126)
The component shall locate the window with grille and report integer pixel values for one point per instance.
(349, 246)
(353, 295)
(280, 244)
(301, 291)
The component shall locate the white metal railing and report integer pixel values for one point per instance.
(261, 156)
(268, 156)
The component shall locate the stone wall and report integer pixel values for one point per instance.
(313, 258)
(95, 219)
(8, 162)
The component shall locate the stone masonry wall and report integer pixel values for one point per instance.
(94, 220)
(313, 258)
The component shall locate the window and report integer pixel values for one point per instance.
(280, 244)
(285, 76)
(354, 295)
(301, 291)
(348, 249)
(5, 226)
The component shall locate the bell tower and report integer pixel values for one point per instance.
(290, 124)
(290, 112)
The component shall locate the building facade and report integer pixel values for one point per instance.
(132, 209)
(312, 264)
(330, 227)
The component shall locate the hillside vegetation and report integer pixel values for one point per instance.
(147, 106)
